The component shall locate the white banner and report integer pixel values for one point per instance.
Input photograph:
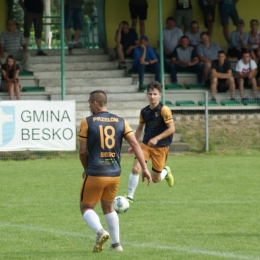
(37, 125)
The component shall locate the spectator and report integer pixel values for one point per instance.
(238, 41)
(73, 13)
(126, 41)
(258, 67)
(138, 8)
(208, 10)
(184, 58)
(207, 52)
(221, 76)
(246, 69)
(227, 8)
(183, 13)
(254, 39)
(145, 59)
(10, 80)
(11, 41)
(171, 37)
(194, 34)
(33, 13)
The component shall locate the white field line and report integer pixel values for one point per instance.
(197, 251)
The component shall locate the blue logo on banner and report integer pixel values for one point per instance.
(7, 124)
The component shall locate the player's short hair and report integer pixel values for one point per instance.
(245, 51)
(170, 18)
(155, 85)
(203, 33)
(254, 21)
(99, 96)
(184, 37)
(125, 23)
(222, 52)
(194, 22)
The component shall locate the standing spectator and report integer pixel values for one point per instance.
(221, 76)
(194, 34)
(254, 39)
(33, 14)
(183, 13)
(11, 42)
(126, 41)
(73, 13)
(171, 37)
(10, 80)
(247, 70)
(100, 141)
(138, 8)
(145, 59)
(208, 10)
(207, 52)
(184, 58)
(238, 41)
(227, 8)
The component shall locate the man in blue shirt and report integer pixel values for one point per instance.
(145, 60)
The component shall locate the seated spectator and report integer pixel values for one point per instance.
(73, 13)
(183, 13)
(145, 60)
(227, 8)
(10, 80)
(126, 41)
(238, 41)
(258, 67)
(221, 76)
(208, 10)
(254, 39)
(138, 8)
(184, 58)
(207, 51)
(247, 70)
(194, 34)
(171, 37)
(11, 42)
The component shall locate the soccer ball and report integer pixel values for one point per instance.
(121, 204)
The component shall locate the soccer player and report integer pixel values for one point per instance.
(100, 140)
(158, 133)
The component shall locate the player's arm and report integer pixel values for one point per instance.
(203, 58)
(83, 154)
(219, 75)
(169, 131)
(140, 157)
(138, 135)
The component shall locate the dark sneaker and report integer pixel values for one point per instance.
(77, 45)
(41, 53)
(121, 65)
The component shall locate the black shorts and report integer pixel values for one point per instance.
(222, 86)
(138, 11)
(208, 10)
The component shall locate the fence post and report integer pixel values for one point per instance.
(206, 123)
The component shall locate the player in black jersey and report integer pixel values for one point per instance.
(100, 140)
(157, 123)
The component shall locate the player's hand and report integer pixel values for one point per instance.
(130, 150)
(152, 142)
(142, 46)
(146, 174)
(120, 26)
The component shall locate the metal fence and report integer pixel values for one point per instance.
(221, 125)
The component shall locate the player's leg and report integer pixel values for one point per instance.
(232, 86)
(90, 195)
(17, 91)
(224, 22)
(252, 82)
(111, 216)
(142, 13)
(178, 17)
(241, 87)
(206, 72)
(213, 87)
(133, 14)
(27, 25)
(187, 19)
(134, 175)
(159, 172)
(9, 86)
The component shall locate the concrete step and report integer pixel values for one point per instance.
(80, 74)
(26, 96)
(76, 66)
(89, 82)
(74, 89)
(68, 59)
(79, 51)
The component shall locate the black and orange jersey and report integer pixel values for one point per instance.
(103, 134)
(156, 121)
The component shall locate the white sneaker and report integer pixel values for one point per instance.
(116, 247)
(102, 237)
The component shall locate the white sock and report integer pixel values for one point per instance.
(93, 220)
(132, 184)
(112, 221)
(163, 174)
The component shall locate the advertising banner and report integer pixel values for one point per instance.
(37, 125)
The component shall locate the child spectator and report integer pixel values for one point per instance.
(10, 80)
(183, 13)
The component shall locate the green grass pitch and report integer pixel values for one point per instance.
(211, 212)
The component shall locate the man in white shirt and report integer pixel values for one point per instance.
(246, 69)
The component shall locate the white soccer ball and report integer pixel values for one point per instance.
(121, 204)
